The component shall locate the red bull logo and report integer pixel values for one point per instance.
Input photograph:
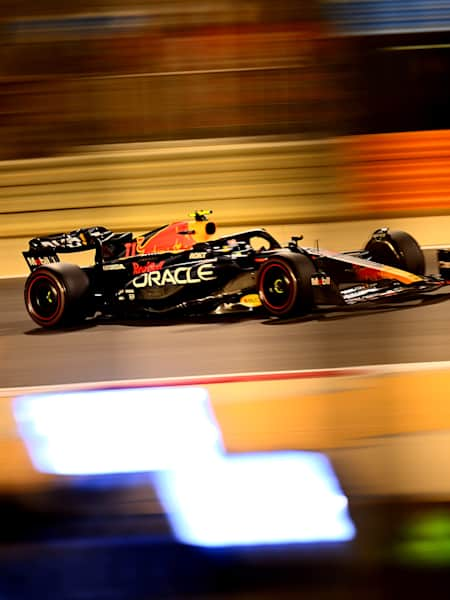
(148, 267)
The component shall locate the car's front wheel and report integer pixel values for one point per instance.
(396, 249)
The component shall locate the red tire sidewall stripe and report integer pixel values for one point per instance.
(289, 274)
(60, 305)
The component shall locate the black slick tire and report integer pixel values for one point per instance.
(284, 285)
(56, 295)
(398, 249)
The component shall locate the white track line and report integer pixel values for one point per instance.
(357, 371)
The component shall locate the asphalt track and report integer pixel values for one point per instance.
(407, 332)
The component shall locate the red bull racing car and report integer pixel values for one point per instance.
(183, 268)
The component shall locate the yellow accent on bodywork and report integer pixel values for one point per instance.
(400, 275)
(250, 300)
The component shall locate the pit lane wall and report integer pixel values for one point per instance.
(320, 186)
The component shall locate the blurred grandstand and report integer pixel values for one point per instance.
(93, 74)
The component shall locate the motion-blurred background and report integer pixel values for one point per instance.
(102, 72)
(268, 113)
(98, 72)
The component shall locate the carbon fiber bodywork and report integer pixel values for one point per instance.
(179, 268)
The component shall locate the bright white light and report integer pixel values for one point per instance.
(114, 431)
(275, 498)
(210, 499)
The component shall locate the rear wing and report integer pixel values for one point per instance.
(45, 250)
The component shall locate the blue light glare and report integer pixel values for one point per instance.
(117, 431)
(211, 499)
(276, 498)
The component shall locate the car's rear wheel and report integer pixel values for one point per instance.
(56, 295)
(396, 249)
(284, 285)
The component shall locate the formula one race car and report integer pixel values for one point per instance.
(181, 268)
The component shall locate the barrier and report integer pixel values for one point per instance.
(396, 174)
(258, 181)
(246, 183)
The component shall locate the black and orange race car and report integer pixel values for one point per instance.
(183, 268)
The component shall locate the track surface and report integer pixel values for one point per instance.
(390, 333)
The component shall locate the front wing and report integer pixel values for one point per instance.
(385, 290)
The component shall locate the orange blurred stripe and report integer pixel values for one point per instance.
(407, 172)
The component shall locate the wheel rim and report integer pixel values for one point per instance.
(277, 287)
(44, 299)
